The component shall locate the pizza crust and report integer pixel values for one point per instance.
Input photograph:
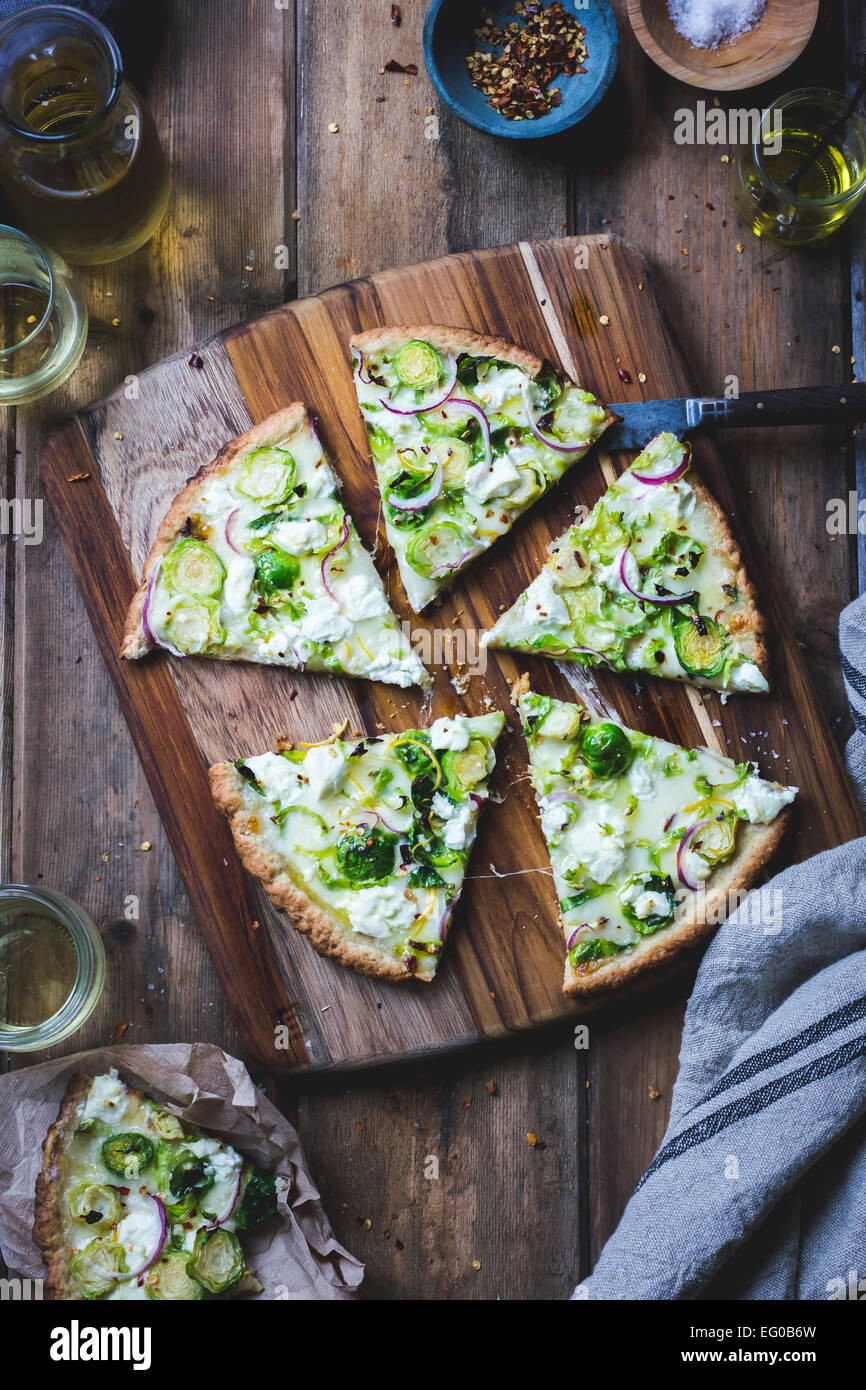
(446, 339)
(328, 935)
(48, 1235)
(275, 429)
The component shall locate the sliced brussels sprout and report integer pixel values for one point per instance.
(366, 855)
(438, 549)
(190, 1173)
(648, 902)
(127, 1154)
(217, 1260)
(276, 570)
(194, 625)
(576, 415)
(97, 1266)
(455, 456)
(532, 483)
(168, 1279)
(381, 443)
(417, 365)
(571, 565)
(167, 1126)
(561, 721)
(464, 768)
(95, 1204)
(258, 1198)
(717, 840)
(592, 951)
(606, 749)
(194, 568)
(700, 645)
(267, 476)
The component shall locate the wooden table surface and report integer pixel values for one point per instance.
(426, 1173)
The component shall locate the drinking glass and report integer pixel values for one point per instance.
(43, 319)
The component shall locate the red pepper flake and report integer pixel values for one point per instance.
(623, 375)
(410, 69)
(196, 361)
(465, 1102)
(254, 925)
(119, 1030)
(490, 1087)
(395, 16)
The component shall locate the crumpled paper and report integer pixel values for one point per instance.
(295, 1255)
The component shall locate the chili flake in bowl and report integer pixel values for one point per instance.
(522, 70)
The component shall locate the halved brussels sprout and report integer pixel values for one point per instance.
(417, 365)
(167, 1126)
(717, 840)
(455, 456)
(194, 625)
(464, 768)
(438, 549)
(217, 1260)
(571, 565)
(593, 951)
(168, 1279)
(576, 415)
(95, 1204)
(561, 721)
(366, 855)
(267, 476)
(276, 570)
(97, 1266)
(258, 1198)
(193, 568)
(127, 1154)
(648, 902)
(606, 749)
(700, 645)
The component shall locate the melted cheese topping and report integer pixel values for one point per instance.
(640, 538)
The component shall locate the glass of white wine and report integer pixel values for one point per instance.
(52, 967)
(43, 319)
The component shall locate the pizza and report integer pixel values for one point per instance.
(364, 842)
(649, 843)
(257, 560)
(466, 432)
(651, 581)
(132, 1203)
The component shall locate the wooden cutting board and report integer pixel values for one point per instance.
(504, 962)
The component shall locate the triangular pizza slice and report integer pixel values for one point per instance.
(652, 581)
(466, 432)
(257, 560)
(363, 842)
(650, 844)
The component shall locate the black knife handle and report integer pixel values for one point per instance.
(802, 405)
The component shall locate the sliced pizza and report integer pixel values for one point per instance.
(257, 560)
(652, 581)
(466, 432)
(650, 843)
(364, 842)
(134, 1203)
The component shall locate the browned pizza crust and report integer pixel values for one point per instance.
(47, 1218)
(654, 954)
(277, 427)
(446, 339)
(328, 935)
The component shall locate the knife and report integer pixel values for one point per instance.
(640, 421)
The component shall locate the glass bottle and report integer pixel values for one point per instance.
(80, 159)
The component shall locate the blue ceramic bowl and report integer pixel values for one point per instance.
(448, 37)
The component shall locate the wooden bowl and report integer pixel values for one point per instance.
(774, 43)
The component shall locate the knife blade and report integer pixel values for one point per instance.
(640, 421)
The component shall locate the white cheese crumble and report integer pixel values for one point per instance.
(362, 598)
(544, 606)
(497, 481)
(640, 779)
(553, 819)
(380, 911)
(597, 842)
(300, 537)
(748, 676)
(323, 621)
(762, 801)
(326, 769)
(459, 821)
(106, 1099)
(450, 734)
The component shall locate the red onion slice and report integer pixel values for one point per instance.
(368, 811)
(447, 567)
(573, 937)
(444, 393)
(681, 849)
(358, 358)
(656, 480)
(477, 414)
(149, 634)
(648, 598)
(334, 548)
(228, 533)
(556, 444)
(421, 499)
(152, 1258)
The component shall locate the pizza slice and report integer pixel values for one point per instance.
(650, 844)
(652, 581)
(466, 432)
(363, 842)
(133, 1203)
(257, 560)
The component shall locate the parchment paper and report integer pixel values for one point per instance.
(295, 1254)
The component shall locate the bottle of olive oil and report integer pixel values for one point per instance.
(80, 159)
